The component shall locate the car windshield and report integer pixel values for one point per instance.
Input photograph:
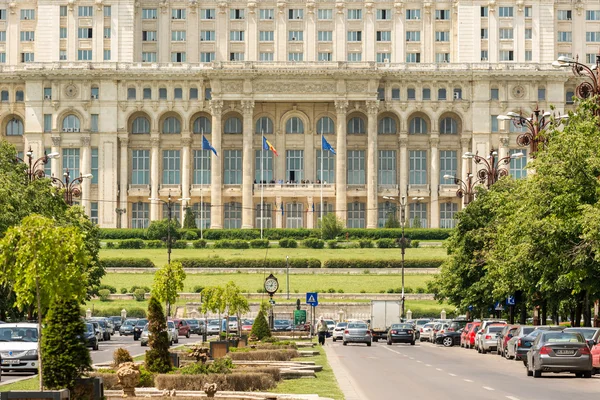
(192, 321)
(89, 328)
(18, 334)
(129, 322)
(587, 333)
(146, 327)
(142, 322)
(171, 325)
(527, 330)
(341, 325)
(282, 322)
(422, 322)
(102, 323)
(429, 325)
(248, 322)
(115, 319)
(535, 333)
(357, 326)
(401, 326)
(213, 322)
(562, 337)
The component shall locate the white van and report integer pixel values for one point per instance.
(18, 347)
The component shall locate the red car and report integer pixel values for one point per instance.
(183, 329)
(470, 339)
(463, 335)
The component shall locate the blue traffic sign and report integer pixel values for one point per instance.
(510, 301)
(498, 306)
(312, 299)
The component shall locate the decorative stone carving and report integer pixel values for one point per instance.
(12, 6)
(399, 6)
(427, 7)
(369, 7)
(504, 142)
(222, 7)
(232, 86)
(357, 86)
(186, 141)
(492, 6)
(520, 4)
(55, 104)
(216, 107)
(155, 142)
(71, 91)
(465, 142)
(99, 5)
(123, 105)
(340, 7)
(193, 6)
(164, 5)
(372, 107)
(210, 389)
(403, 141)
(579, 6)
(341, 106)
(124, 141)
(248, 107)
(251, 7)
(281, 6)
(310, 7)
(128, 376)
(56, 141)
(295, 87)
(85, 141)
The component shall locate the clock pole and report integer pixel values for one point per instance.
(271, 286)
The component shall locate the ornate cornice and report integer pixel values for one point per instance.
(56, 141)
(341, 106)
(85, 141)
(216, 107)
(248, 107)
(372, 107)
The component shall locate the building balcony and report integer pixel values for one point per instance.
(448, 191)
(388, 190)
(418, 190)
(294, 189)
(139, 191)
(166, 190)
(200, 190)
(356, 190)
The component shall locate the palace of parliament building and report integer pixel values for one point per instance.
(126, 90)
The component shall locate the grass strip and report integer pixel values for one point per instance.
(32, 383)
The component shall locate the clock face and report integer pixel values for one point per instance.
(271, 285)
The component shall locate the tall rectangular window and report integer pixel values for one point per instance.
(178, 13)
(447, 213)
(505, 12)
(517, 165)
(564, 37)
(140, 167)
(207, 56)
(84, 33)
(178, 56)
(107, 11)
(94, 123)
(384, 14)
(448, 165)
(386, 168)
(48, 165)
(296, 36)
(171, 167)
(354, 57)
(356, 215)
(107, 33)
(413, 57)
(325, 36)
(385, 211)
(178, 36)
(417, 215)
(175, 212)
(236, 36)
(85, 11)
(413, 36)
(27, 14)
(494, 123)
(84, 55)
(507, 55)
(62, 12)
(324, 56)
(106, 55)
(541, 94)
(442, 15)
(263, 166)
(494, 94)
(149, 56)
(354, 14)
(266, 13)
(237, 13)
(70, 158)
(442, 36)
(94, 212)
(566, 15)
(383, 57)
(384, 36)
(207, 13)
(94, 169)
(47, 123)
(295, 14)
(484, 11)
(506, 33)
(140, 215)
(294, 160)
(328, 167)
(265, 56)
(294, 217)
(528, 55)
(232, 213)
(149, 36)
(528, 12)
(149, 13)
(418, 167)
(266, 36)
(232, 170)
(263, 217)
(356, 167)
(62, 33)
(325, 14)
(592, 15)
(354, 36)
(27, 36)
(201, 167)
(413, 15)
(202, 214)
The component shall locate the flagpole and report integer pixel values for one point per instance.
(262, 186)
(321, 211)
(202, 187)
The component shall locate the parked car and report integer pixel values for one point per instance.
(401, 333)
(18, 347)
(488, 340)
(247, 324)
(464, 333)
(511, 346)
(89, 337)
(357, 332)
(183, 329)
(503, 337)
(213, 327)
(469, 342)
(449, 338)
(97, 330)
(457, 325)
(482, 328)
(233, 323)
(282, 325)
(338, 331)
(440, 328)
(330, 326)
(117, 321)
(425, 331)
(194, 325)
(171, 332)
(126, 327)
(592, 337)
(525, 343)
(139, 327)
(103, 322)
(559, 352)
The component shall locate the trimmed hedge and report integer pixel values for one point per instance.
(179, 244)
(127, 263)
(112, 233)
(236, 381)
(131, 244)
(259, 243)
(287, 243)
(393, 263)
(231, 244)
(314, 243)
(411, 233)
(155, 244)
(134, 312)
(248, 263)
(200, 244)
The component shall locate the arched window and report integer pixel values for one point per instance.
(325, 126)
(417, 126)
(387, 125)
(233, 125)
(294, 125)
(448, 126)
(356, 125)
(202, 125)
(140, 125)
(171, 125)
(71, 123)
(14, 127)
(264, 125)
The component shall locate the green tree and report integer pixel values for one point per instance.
(159, 229)
(235, 303)
(391, 221)
(43, 262)
(189, 219)
(65, 357)
(260, 328)
(212, 301)
(331, 226)
(168, 282)
(157, 358)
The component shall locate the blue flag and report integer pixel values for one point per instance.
(325, 145)
(206, 146)
(281, 208)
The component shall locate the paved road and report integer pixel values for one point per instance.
(105, 352)
(425, 371)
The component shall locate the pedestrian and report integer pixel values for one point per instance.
(322, 328)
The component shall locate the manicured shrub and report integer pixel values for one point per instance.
(123, 290)
(265, 355)
(111, 289)
(127, 263)
(121, 356)
(110, 245)
(179, 244)
(248, 263)
(288, 243)
(64, 355)
(231, 244)
(260, 328)
(313, 243)
(385, 243)
(121, 233)
(103, 294)
(236, 381)
(200, 244)
(190, 235)
(155, 244)
(158, 230)
(413, 233)
(340, 291)
(139, 294)
(415, 244)
(198, 289)
(259, 243)
(157, 358)
(365, 243)
(331, 290)
(420, 290)
(132, 244)
(333, 244)
(391, 263)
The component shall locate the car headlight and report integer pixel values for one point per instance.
(32, 353)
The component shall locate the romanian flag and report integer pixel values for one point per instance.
(268, 146)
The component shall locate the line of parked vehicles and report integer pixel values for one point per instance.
(542, 349)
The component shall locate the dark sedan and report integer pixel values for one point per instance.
(401, 333)
(525, 343)
(559, 352)
(138, 328)
(89, 337)
(282, 325)
(449, 339)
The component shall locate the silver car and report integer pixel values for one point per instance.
(338, 331)
(145, 337)
(554, 351)
(213, 327)
(357, 332)
(489, 338)
(511, 346)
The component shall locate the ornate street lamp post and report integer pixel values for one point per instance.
(402, 204)
(590, 86)
(493, 168)
(72, 188)
(35, 168)
(533, 136)
(466, 190)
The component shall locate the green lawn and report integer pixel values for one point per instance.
(159, 256)
(26, 384)
(325, 385)
(354, 283)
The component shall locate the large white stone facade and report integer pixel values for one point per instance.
(125, 90)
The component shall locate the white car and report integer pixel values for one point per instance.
(338, 331)
(171, 331)
(330, 325)
(482, 328)
(425, 331)
(18, 347)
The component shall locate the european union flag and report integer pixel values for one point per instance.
(206, 146)
(325, 145)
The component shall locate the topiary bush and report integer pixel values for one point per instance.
(259, 243)
(158, 230)
(123, 290)
(314, 243)
(288, 243)
(331, 226)
(65, 357)
(157, 358)
(260, 328)
(333, 244)
(179, 244)
(415, 244)
(155, 244)
(110, 245)
(198, 289)
(385, 243)
(200, 244)
(110, 288)
(121, 356)
(231, 244)
(139, 294)
(103, 294)
(190, 235)
(365, 243)
(132, 244)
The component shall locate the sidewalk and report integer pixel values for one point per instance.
(347, 385)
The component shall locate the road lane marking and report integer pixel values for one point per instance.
(488, 388)
(439, 369)
(428, 365)
(412, 358)
(451, 374)
(468, 380)
(512, 398)
(419, 361)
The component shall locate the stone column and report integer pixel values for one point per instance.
(403, 141)
(154, 176)
(503, 149)
(124, 179)
(310, 219)
(56, 163)
(278, 216)
(248, 163)
(340, 160)
(372, 110)
(186, 172)
(86, 168)
(434, 179)
(216, 210)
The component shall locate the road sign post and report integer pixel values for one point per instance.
(312, 299)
